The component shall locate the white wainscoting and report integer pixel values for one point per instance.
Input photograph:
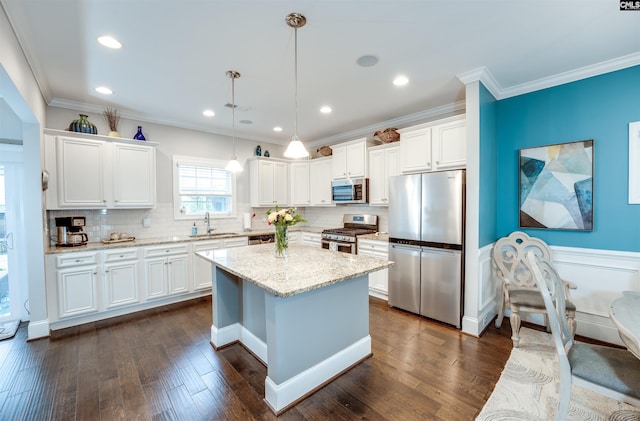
(601, 276)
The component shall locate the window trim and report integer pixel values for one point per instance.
(192, 160)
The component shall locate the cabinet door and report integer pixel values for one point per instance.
(81, 173)
(450, 145)
(377, 178)
(202, 269)
(134, 175)
(300, 184)
(77, 291)
(178, 274)
(312, 239)
(339, 162)
(281, 183)
(156, 278)
(378, 280)
(357, 160)
(415, 151)
(266, 195)
(121, 284)
(320, 174)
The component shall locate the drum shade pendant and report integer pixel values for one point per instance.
(296, 149)
(233, 165)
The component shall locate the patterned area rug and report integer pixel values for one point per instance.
(527, 389)
(8, 329)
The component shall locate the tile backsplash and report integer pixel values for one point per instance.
(101, 223)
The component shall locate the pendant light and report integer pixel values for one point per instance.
(233, 165)
(296, 149)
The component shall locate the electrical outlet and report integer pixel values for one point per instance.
(486, 319)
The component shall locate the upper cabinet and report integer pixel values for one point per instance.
(320, 175)
(350, 159)
(299, 179)
(269, 182)
(384, 162)
(434, 146)
(96, 172)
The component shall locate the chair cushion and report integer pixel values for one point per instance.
(612, 368)
(532, 298)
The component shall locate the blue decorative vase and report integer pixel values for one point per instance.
(139, 135)
(258, 150)
(82, 125)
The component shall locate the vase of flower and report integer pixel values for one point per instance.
(282, 241)
(112, 117)
(283, 219)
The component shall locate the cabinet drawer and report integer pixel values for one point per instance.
(76, 259)
(236, 242)
(373, 248)
(166, 250)
(120, 254)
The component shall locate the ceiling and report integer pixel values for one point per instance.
(176, 52)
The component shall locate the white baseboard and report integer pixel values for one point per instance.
(254, 344)
(279, 396)
(38, 329)
(226, 335)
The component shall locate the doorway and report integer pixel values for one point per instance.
(11, 227)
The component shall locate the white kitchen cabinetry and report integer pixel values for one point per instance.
(202, 274)
(384, 162)
(294, 236)
(311, 238)
(349, 159)
(76, 278)
(320, 176)
(300, 178)
(379, 280)
(166, 270)
(269, 182)
(434, 146)
(121, 286)
(91, 171)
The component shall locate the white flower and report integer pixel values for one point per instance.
(273, 216)
(288, 217)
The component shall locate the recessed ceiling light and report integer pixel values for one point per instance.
(245, 122)
(208, 113)
(277, 129)
(109, 42)
(104, 90)
(367, 60)
(400, 80)
(325, 109)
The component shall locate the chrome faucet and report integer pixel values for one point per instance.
(207, 219)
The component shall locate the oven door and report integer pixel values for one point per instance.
(340, 246)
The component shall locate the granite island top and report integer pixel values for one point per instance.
(307, 267)
(141, 242)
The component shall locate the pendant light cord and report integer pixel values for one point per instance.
(233, 114)
(295, 78)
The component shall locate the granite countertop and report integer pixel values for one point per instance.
(307, 267)
(379, 236)
(141, 242)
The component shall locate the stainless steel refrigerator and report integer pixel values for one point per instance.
(426, 236)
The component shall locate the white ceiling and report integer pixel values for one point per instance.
(176, 52)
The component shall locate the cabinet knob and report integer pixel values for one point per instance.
(437, 162)
(77, 260)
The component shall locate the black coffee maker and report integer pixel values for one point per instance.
(70, 233)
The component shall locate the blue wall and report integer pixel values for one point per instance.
(488, 168)
(598, 108)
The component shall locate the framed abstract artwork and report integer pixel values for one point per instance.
(634, 163)
(556, 186)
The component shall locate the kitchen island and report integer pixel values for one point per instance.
(306, 317)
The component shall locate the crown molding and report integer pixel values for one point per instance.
(148, 118)
(483, 75)
(38, 73)
(400, 122)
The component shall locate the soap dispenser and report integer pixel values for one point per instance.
(194, 229)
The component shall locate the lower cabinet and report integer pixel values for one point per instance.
(379, 280)
(121, 286)
(166, 270)
(77, 291)
(311, 238)
(202, 268)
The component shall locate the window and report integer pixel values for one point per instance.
(201, 186)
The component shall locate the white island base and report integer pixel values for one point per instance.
(305, 340)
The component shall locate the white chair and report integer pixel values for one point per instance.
(612, 372)
(519, 289)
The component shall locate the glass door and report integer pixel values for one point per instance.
(11, 219)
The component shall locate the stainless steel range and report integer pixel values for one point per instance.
(344, 239)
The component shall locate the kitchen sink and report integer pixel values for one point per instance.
(213, 235)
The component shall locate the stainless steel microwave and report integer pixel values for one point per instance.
(355, 190)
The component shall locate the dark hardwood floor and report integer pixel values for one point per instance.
(162, 367)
